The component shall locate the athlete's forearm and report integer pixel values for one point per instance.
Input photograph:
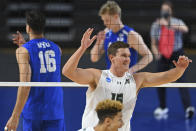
(136, 42)
(22, 96)
(22, 57)
(71, 65)
(154, 79)
(144, 61)
(173, 74)
(96, 52)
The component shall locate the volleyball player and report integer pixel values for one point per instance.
(39, 60)
(116, 83)
(110, 14)
(109, 113)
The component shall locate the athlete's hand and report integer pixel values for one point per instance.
(182, 63)
(86, 40)
(12, 124)
(18, 39)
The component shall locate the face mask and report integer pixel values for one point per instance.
(165, 14)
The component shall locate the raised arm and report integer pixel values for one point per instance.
(98, 49)
(145, 79)
(71, 70)
(23, 92)
(136, 41)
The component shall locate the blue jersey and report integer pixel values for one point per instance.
(44, 103)
(121, 35)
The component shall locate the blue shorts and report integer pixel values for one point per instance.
(43, 125)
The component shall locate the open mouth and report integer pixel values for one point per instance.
(125, 64)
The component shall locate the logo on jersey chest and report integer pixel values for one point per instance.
(120, 37)
(127, 81)
(108, 79)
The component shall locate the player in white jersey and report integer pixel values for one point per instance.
(109, 113)
(116, 83)
(87, 129)
(109, 86)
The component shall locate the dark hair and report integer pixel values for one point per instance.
(168, 3)
(108, 108)
(36, 20)
(115, 46)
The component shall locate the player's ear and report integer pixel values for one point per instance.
(107, 121)
(111, 57)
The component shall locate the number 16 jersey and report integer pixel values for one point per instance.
(44, 103)
(109, 86)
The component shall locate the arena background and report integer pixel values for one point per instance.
(66, 22)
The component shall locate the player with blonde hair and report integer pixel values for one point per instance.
(110, 13)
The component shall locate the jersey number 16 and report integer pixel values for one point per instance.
(50, 62)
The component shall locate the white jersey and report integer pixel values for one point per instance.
(87, 129)
(115, 88)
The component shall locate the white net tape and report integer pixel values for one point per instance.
(73, 84)
(42, 84)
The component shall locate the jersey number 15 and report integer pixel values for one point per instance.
(117, 97)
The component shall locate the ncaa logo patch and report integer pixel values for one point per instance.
(108, 79)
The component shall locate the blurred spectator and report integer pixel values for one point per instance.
(167, 45)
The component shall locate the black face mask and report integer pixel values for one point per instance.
(165, 14)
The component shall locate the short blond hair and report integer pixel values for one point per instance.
(108, 108)
(111, 8)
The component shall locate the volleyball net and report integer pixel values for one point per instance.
(73, 84)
